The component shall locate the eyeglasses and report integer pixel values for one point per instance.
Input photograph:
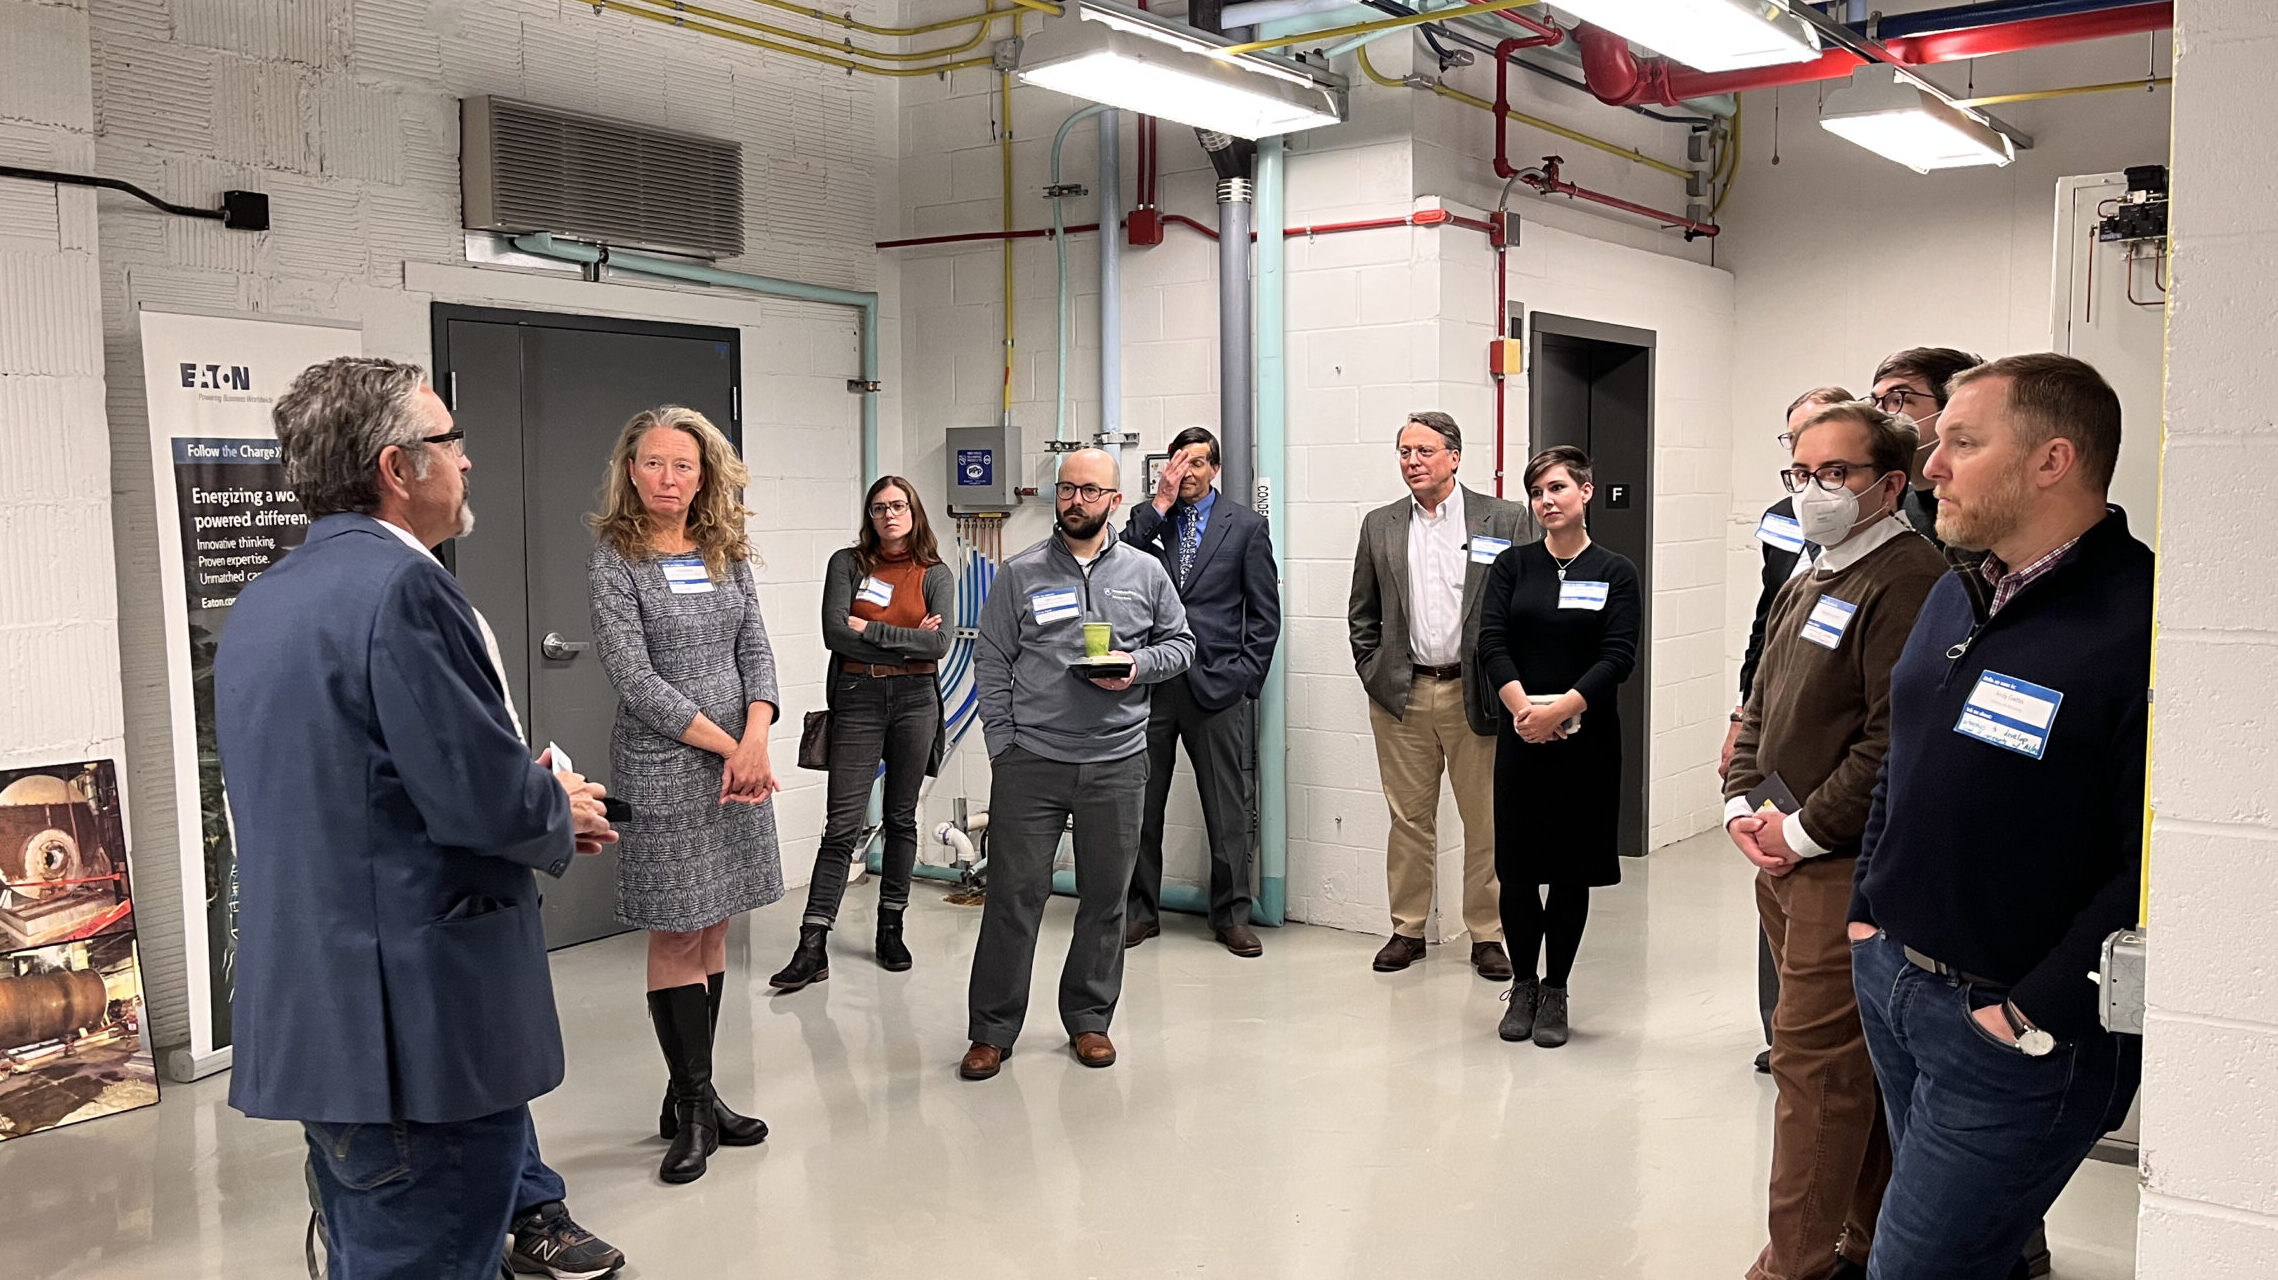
(454, 441)
(881, 510)
(1420, 452)
(1830, 477)
(1088, 492)
(1894, 400)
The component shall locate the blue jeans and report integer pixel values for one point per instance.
(540, 1185)
(410, 1201)
(1983, 1137)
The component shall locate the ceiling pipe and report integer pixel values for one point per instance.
(1620, 78)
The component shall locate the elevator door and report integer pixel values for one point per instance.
(1592, 387)
(542, 398)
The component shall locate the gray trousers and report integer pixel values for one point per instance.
(1222, 746)
(875, 720)
(1030, 801)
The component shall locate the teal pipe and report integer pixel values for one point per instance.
(1060, 246)
(545, 245)
(1371, 37)
(1273, 465)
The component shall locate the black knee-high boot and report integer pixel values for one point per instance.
(735, 1130)
(684, 1032)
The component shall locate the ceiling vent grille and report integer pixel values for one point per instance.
(526, 168)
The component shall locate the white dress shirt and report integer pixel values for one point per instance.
(482, 624)
(1436, 567)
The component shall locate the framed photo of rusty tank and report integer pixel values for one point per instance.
(72, 1041)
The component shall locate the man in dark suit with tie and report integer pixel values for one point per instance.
(392, 989)
(1220, 556)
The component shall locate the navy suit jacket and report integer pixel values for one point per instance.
(1233, 604)
(390, 961)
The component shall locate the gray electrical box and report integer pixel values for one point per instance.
(984, 470)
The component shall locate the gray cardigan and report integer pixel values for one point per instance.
(878, 643)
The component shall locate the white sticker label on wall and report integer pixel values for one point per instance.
(877, 591)
(1784, 533)
(1829, 619)
(2015, 715)
(1052, 606)
(687, 577)
(1582, 595)
(1484, 549)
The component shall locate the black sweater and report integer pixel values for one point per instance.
(1992, 861)
(1525, 636)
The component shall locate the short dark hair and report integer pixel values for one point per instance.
(1890, 442)
(2055, 395)
(1196, 435)
(1818, 395)
(1934, 365)
(1576, 462)
(1439, 422)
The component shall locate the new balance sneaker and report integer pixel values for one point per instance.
(547, 1242)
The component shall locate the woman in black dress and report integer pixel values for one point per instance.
(1557, 636)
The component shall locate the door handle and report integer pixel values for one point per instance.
(560, 650)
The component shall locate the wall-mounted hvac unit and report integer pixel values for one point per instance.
(525, 168)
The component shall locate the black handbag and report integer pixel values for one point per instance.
(815, 741)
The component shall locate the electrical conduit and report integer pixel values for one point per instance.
(1060, 242)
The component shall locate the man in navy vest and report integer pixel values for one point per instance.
(392, 989)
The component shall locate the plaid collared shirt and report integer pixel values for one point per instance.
(2008, 582)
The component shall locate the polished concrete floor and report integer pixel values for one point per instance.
(1291, 1116)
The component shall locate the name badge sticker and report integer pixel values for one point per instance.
(1582, 595)
(2015, 715)
(1782, 532)
(687, 577)
(1829, 619)
(876, 591)
(1053, 606)
(1484, 549)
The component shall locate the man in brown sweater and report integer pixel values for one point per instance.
(1812, 739)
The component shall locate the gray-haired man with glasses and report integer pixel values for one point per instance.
(1067, 747)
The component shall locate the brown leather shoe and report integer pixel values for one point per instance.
(1094, 1049)
(1240, 939)
(1491, 962)
(1137, 932)
(982, 1061)
(1399, 953)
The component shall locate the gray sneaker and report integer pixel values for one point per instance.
(1550, 1018)
(1518, 1020)
(546, 1241)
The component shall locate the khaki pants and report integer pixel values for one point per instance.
(1410, 755)
(1830, 1153)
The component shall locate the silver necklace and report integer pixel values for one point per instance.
(1563, 564)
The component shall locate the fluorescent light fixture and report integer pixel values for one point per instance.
(1125, 58)
(1710, 35)
(1902, 121)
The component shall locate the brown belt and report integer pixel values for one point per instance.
(874, 669)
(1453, 671)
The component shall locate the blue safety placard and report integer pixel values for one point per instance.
(976, 467)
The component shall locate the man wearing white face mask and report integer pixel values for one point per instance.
(1812, 739)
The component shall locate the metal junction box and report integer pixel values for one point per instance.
(984, 470)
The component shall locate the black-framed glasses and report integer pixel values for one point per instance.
(455, 441)
(881, 510)
(1088, 492)
(1894, 400)
(1831, 476)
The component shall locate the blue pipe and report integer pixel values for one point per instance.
(544, 245)
(1272, 452)
(1965, 17)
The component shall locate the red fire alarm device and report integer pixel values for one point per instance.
(1506, 357)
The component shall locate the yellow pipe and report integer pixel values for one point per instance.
(1731, 166)
(1999, 98)
(846, 47)
(1040, 6)
(1610, 148)
(670, 20)
(1364, 28)
(851, 23)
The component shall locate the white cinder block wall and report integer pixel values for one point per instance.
(2210, 1111)
(346, 114)
(59, 654)
(1382, 322)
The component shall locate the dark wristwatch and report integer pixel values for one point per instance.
(2031, 1040)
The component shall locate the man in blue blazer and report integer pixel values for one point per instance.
(392, 988)
(1220, 556)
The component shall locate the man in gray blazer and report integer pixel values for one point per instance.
(1417, 578)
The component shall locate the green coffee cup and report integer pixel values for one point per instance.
(1099, 637)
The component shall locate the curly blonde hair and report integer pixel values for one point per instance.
(715, 518)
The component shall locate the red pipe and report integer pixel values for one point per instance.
(1620, 78)
(1420, 218)
(1549, 183)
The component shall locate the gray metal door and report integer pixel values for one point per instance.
(542, 398)
(1592, 387)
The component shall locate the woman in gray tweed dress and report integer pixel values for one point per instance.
(676, 620)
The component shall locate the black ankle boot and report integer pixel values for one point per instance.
(684, 1032)
(892, 955)
(735, 1130)
(810, 963)
(1550, 1029)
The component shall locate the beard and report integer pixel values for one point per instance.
(1988, 519)
(466, 520)
(1077, 524)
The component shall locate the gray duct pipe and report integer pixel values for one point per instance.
(1237, 397)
